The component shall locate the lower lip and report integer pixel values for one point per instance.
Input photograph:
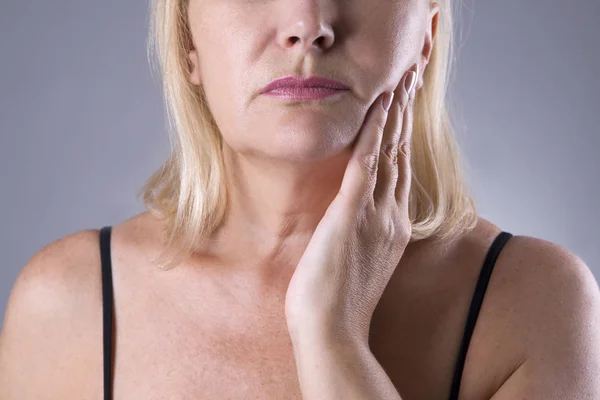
(304, 93)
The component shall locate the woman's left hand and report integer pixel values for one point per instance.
(360, 240)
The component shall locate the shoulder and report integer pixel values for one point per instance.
(538, 283)
(539, 326)
(64, 268)
(540, 270)
(52, 316)
(63, 279)
(529, 268)
(550, 301)
(556, 286)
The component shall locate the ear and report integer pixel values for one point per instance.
(432, 23)
(194, 65)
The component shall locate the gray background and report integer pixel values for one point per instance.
(82, 122)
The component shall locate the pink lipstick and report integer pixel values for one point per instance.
(297, 88)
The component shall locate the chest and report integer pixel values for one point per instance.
(237, 354)
(196, 339)
(180, 361)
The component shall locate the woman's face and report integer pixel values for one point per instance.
(240, 46)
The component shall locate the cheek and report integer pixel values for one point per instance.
(223, 101)
(225, 87)
(227, 96)
(386, 44)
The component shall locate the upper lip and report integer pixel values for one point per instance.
(299, 82)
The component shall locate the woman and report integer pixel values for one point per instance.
(306, 238)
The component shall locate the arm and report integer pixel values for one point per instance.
(564, 353)
(44, 344)
(330, 367)
(561, 332)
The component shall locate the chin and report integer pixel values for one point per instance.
(308, 142)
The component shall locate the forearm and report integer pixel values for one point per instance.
(339, 369)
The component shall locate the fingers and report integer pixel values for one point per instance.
(404, 180)
(387, 171)
(370, 177)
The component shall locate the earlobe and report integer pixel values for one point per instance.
(420, 70)
(194, 70)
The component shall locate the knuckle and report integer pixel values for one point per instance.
(402, 227)
(407, 104)
(380, 124)
(368, 162)
(391, 227)
(405, 149)
(391, 152)
(403, 106)
(405, 229)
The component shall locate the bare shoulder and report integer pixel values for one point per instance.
(536, 272)
(556, 287)
(65, 270)
(59, 264)
(52, 323)
(544, 309)
(530, 269)
(51, 340)
(65, 267)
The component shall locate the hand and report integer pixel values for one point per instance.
(358, 243)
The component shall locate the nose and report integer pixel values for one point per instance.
(308, 28)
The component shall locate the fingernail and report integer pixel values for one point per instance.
(410, 81)
(387, 100)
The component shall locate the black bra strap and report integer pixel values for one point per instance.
(107, 308)
(482, 284)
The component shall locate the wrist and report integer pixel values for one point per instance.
(317, 332)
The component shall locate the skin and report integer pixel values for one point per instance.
(215, 326)
(332, 294)
(285, 160)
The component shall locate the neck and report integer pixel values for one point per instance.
(274, 206)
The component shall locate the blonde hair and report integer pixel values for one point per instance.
(188, 191)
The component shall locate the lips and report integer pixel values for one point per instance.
(299, 83)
